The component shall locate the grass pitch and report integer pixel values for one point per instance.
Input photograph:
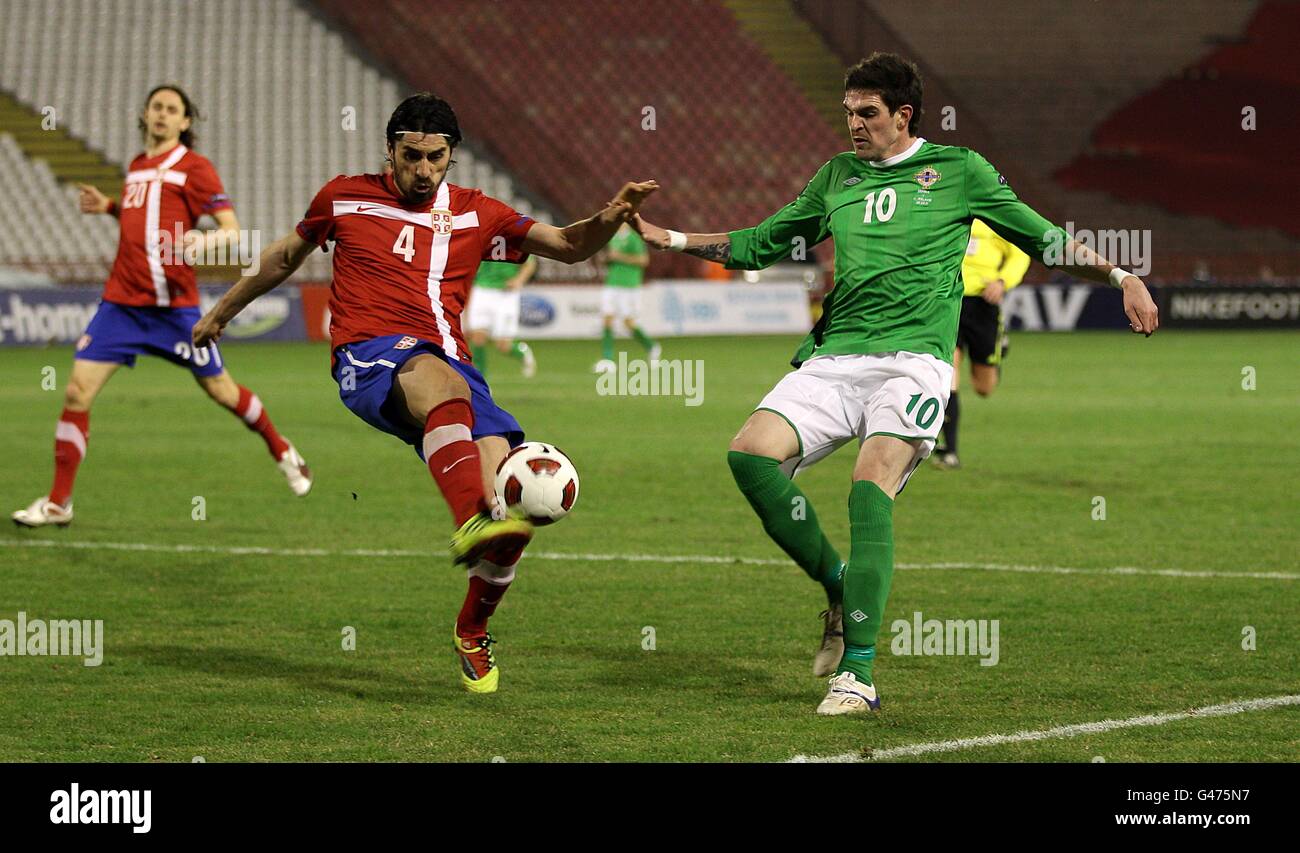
(236, 654)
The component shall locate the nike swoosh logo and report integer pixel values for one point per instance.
(457, 462)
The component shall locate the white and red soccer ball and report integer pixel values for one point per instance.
(538, 482)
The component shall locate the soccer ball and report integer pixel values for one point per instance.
(537, 482)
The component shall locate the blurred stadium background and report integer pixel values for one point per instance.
(1110, 115)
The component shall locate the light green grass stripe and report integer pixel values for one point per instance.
(711, 559)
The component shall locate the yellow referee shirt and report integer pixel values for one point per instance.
(988, 258)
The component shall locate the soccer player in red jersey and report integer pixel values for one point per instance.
(407, 245)
(150, 302)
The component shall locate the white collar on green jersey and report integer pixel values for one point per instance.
(900, 156)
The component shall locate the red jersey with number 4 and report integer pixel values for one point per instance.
(165, 194)
(403, 269)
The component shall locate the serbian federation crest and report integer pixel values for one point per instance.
(927, 177)
(441, 221)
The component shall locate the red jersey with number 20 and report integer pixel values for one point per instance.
(165, 194)
(403, 269)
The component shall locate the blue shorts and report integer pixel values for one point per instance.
(365, 371)
(118, 333)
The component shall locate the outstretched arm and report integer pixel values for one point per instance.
(277, 263)
(579, 241)
(798, 226)
(710, 247)
(1138, 305)
(991, 199)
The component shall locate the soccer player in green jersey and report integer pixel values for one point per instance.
(626, 259)
(493, 314)
(877, 366)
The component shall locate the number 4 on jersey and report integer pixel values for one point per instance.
(404, 245)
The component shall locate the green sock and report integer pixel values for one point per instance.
(866, 581)
(517, 350)
(479, 355)
(642, 338)
(788, 518)
(607, 345)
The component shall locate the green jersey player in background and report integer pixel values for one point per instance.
(493, 313)
(877, 366)
(625, 261)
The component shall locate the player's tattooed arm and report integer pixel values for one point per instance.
(277, 263)
(719, 253)
(710, 247)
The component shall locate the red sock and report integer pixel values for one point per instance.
(487, 585)
(249, 408)
(453, 459)
(69, 449)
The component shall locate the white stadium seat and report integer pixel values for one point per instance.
(272, 87)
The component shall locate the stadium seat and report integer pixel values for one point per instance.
(273, 101)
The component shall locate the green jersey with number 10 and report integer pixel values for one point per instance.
(901, 227)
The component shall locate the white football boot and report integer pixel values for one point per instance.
(604, 366)
(530, 360)
(295, 470)
(847, 695)
(653, 355)
(832, 648)
(43, 511)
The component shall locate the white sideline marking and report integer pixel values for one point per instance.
(1226, 709)
(258, 551)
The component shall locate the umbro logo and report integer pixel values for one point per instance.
(858, 616)
(851, 181)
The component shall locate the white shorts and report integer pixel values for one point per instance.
(494, 310)
(620, 302)
(834, 398)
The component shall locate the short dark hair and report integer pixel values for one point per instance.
(188, 136)
(424, 113)
(897, 80)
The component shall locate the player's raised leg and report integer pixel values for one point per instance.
(429, 391)
(755, 456)
(489, 578)
(521, 352)
(883, 461)
(71, 436)
(248, 407)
